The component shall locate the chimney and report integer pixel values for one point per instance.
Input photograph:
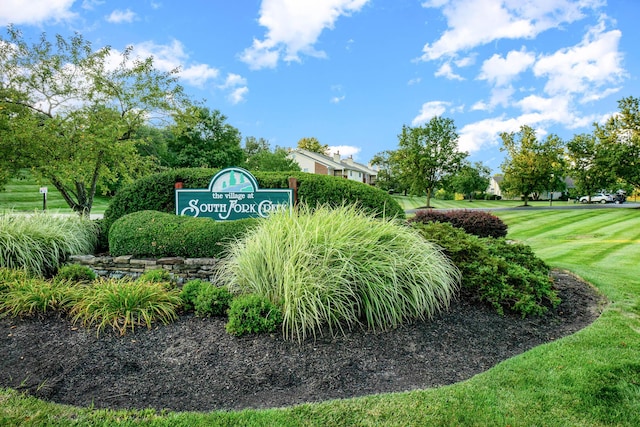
(336, 157)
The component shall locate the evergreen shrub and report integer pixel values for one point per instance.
(75, 273)
(504, 274)
(252, 313)
(478, 223)
(190, 291)
(156, 192)
(212, 301)
(158, 234)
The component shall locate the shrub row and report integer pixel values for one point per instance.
(504, 274)
(156, 192)
(158, 234)
(478, 223)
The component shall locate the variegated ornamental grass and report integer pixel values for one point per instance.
(342, 268)
(40, 242)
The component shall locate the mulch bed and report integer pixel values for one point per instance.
(194, 365)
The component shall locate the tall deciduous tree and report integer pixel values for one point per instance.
(428, 155)
(76, 110)
(312, 144)
(471, 178)
(589, 164)
(531, 166)
(202, 138)
(261, 158)
(620, 137)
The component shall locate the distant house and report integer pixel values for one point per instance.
(496, 180)
(320, 164)
(494, 185)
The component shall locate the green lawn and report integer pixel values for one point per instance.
(591, 378)
(414, 202)
(23, 195)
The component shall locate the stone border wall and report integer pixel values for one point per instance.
(180, 269)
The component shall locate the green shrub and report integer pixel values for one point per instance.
(124, 304)
(478, 223)
(156, 192)
(40, 242)
(30, 296)
(156, 276)
(212, 301)
(190, 291)
(335, 266)
(252, 314)
(157, 234)
(75, 273)
(503, 274)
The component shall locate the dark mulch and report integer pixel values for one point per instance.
(194, 365)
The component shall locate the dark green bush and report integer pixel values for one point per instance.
(212, 300)
(506, 275)
(157, 234)
(252, 314)
(190, 291)
(478, 223)
(156, 192)
(76, 273)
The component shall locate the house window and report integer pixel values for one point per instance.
(350, 173)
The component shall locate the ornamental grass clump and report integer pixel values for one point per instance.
(33, 295)
(339, 267)
(40, 242)
(124, 304)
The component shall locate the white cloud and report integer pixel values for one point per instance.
(236, 85)
(430, 110)
(447, 71)
(92, 4)
(119, 16)
(501, 71)
(414, 81)
(293, 27)
(483, 133)
(473, 23)
(38, 11)
(338, 99)
(586, 67)
(238, 95)
(172, 56)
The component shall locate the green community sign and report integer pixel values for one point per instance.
(232, 194)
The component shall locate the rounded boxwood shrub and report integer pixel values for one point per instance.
(478, 223)
(212, 300)
(252, 313)
(190, 291)
(156, 192)
(158, 234)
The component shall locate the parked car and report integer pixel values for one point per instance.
(620, 197)
(597, 198)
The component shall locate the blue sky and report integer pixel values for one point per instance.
(353, 72)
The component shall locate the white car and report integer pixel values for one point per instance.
(597, 198)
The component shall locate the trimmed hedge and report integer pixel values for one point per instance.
(478, 223)
(158, 234)
(156, 192)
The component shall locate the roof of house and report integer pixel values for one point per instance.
(343, 164)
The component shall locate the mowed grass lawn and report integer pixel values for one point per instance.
(415, 202)
(23, 195)
(591, 378)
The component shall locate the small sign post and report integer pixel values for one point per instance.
(43, 191)
(233, 193)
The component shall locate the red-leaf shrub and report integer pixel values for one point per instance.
(478, 223)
